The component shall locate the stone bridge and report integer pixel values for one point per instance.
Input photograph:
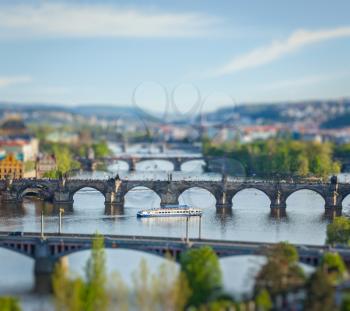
(114, 190)
(132, 160)
(47, 250)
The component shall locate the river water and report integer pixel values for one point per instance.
(249, 221)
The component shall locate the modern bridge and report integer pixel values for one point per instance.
(61, 191)
(49, 249)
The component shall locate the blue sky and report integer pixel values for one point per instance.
(158, 53)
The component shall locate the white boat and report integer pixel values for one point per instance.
(170, 211)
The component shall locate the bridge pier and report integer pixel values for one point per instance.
(333, 200)
(205, 166)
(114, 198)
(333, 211)
(278, 212)
(177, 165)
(44, 268)
(132, 165)
(113, 209)
(62, 197)
(168, 198)
(223, 201)
(278, 204)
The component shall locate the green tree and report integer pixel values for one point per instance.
(120, 294)
(96, 278)
(141, 286)
(338, 232)
(64, 159)
(334, 265)
(77, 294)
(263, 301)
(345, 305)
(69, 294)
(286, 157)
(8, 303)
(281, 271)
(319, 292)
(165, 290)
(202, 269)
(101, 149)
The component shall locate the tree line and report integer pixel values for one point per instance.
(284, 157)
(66, 155)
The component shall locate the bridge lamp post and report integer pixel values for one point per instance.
(200, 227)
(61, 211)
(42, 225)
(187, 237)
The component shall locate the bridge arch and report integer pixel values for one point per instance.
(345, 202)
(169, 164)
(198, 163)
(39, 190)
(117, 165)
(26, 249)
(60, 250)
(73, 192)
(232, 196)
(319, 193)
(153, 202)
(192, 196)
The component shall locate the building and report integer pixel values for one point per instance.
(44, 164)
(15, 138)
(10, 167)
(24, 150)
(13, 127)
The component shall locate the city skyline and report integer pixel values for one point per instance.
(151, 54)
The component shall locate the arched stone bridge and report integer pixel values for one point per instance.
(132, 160)
(61, 191)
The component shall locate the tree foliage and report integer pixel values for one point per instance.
(263, 301)
(167, 289)
(274, 156)
(64, 159)
(338, 231)
(281, 271)
(319, 292)
(83, 295)
(96, 278)
(345, 305)
(334, 265)
(8, 303)
(101, 149)
(202, 269)
(163, 290)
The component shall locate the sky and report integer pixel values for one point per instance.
(173, 54)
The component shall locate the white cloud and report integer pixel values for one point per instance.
(12, 80)
(277, 49)
(72, 20)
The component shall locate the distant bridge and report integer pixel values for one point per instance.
(176, 161)
(131, 160)
(46, 251)
(162, 146)
(114, 190)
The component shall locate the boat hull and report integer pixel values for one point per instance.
(173, 215)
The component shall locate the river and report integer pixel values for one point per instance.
(249, 221)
